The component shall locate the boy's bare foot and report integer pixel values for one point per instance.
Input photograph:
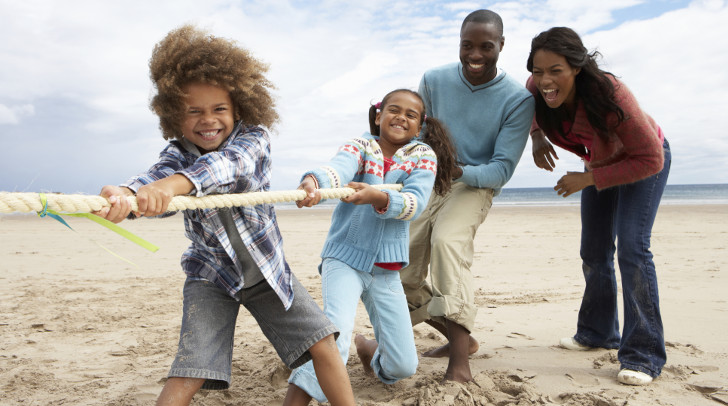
(444, 351)
(365, 350)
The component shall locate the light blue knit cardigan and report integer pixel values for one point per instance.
(360, 236)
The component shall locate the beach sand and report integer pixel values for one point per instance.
(81, 327)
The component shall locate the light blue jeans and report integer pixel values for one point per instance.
(383, 296)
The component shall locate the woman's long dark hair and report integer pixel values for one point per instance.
(434, 134)
(593, 86)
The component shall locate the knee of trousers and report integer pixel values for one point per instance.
(404, 370)
(634, 253)
(597, 255)
(449, 253)
(412, 283)
(401, 369)
(450, 243)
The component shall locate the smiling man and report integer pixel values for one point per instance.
(489, 115)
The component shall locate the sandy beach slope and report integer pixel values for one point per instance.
(81, 327)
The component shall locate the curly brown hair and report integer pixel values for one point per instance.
(190, 55)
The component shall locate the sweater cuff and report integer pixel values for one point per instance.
(313, 177)
(385, 208)
(469, 177)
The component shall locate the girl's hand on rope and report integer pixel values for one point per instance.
(366, 194)
(120, 206)
(313, 196)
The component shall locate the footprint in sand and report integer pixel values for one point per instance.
(145, 394)
(684, 372)
(587, 399)
(278, 376)
(610, 358)
(684, 348)
(487, 388)
(584, 380)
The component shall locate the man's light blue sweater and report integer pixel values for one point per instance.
(489, 123)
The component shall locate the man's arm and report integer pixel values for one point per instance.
(510, 143)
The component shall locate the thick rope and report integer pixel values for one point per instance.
(30, 202)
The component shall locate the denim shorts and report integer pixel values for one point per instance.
(208, 326)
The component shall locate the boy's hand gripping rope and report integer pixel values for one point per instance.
(11, 202)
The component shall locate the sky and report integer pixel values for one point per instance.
(75, 87)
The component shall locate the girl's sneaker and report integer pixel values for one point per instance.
(632, 377)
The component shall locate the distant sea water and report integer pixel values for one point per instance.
(674, 194)
(546, 196)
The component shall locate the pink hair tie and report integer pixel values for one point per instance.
(378, 105)
(425, 119)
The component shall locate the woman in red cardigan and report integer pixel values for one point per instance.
(587, 111)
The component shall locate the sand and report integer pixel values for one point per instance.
(81, 327)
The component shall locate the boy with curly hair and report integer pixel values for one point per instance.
(212, 99)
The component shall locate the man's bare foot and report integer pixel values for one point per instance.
(365, 350)
(444, 351)
(458, 368)
(461, 376)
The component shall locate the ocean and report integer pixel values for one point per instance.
(546, 196)
(674, 194)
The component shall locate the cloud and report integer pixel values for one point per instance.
(673, 70)
(13, 114)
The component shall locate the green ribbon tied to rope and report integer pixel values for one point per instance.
(101, 221)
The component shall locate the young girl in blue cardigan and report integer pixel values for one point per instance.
(368, 241)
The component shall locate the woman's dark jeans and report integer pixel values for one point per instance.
(627, 213)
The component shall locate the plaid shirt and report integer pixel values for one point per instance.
(241, 164)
